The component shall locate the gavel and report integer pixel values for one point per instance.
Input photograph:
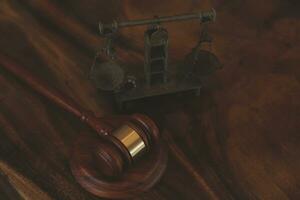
(120, 141)
(124, 145)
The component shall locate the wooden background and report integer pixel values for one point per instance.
(239, 140)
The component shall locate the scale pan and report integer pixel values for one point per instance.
(107, 76)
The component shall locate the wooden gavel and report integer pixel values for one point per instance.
(120, 141)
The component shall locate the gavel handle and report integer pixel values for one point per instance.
(53, 95)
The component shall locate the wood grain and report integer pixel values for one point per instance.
(238, 140)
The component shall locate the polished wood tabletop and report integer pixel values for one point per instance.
(240, 139)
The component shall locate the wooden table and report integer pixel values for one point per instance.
(238, 140)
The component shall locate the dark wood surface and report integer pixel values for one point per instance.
(239, 140)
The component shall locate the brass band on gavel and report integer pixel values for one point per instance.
(132, 141)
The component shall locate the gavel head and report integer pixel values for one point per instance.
(124, 145)
(109, 165)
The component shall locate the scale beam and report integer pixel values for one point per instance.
(202, 16)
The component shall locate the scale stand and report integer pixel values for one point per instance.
(159, 77)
